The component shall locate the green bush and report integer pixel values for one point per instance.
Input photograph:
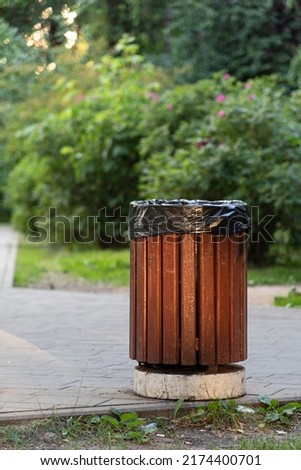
(16, 72)
(82, 159)
(224, 139)
(120, 131)
(245, 37)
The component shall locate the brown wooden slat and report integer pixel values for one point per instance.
(154, 301)
(133, 281)
(206, 286)
(188, 300)
(223, 300)
(244, 300)
(170, 298)
(176, 290)
(141, 299)
(235, 295)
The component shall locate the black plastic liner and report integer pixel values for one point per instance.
(161, 216)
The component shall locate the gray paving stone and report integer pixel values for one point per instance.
(65, 353)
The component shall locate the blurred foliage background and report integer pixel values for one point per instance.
(104, 102)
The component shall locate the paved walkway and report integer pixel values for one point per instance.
(64, 353)
(8, 252)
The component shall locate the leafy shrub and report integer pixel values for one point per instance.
(16, 73)
(224, 139)
(81, 159)
(247, 38)
(13, 49)
(91, 142)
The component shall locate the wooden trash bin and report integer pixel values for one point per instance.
(188, 291)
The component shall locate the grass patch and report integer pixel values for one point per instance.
(220, 420)
(112, 266)
(94, 265)
(293, 299)
(274, 275)
(59, 433)
(284, 269)
(27, 434)
(270, 444)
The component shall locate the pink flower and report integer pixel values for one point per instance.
(220, 98)
(221, 113)
(248, 85)
(201, 143)
(252, 97)
(79, 98)
(169, 106)
(154, 96)
(227, 76)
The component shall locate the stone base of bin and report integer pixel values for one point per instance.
(193, 385)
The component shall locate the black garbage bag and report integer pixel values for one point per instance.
(161, 216)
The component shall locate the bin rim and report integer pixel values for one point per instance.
(165, 216)
(188, 202)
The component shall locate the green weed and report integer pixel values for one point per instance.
(227, 414)
(293, 299)
(117, 426)
(22, 435)
(13, 436)
(178, 407)
(219, 414)
(119, 430)
(273, 411)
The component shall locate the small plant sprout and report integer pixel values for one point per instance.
(273, 411)
(118, 426)
(127, 426)
(178, 407)
(219, 413)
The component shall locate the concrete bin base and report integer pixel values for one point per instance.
(193, 385)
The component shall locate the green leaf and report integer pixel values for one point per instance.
(115, 410)
(178, 407)
(129, 417)
(284, 420)
(94, 420)
(274, 403)
(198, 415)
(290, 408)
(66, 150)
(272, 416)
(135, 435)
(265, 400)
(110, 420)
